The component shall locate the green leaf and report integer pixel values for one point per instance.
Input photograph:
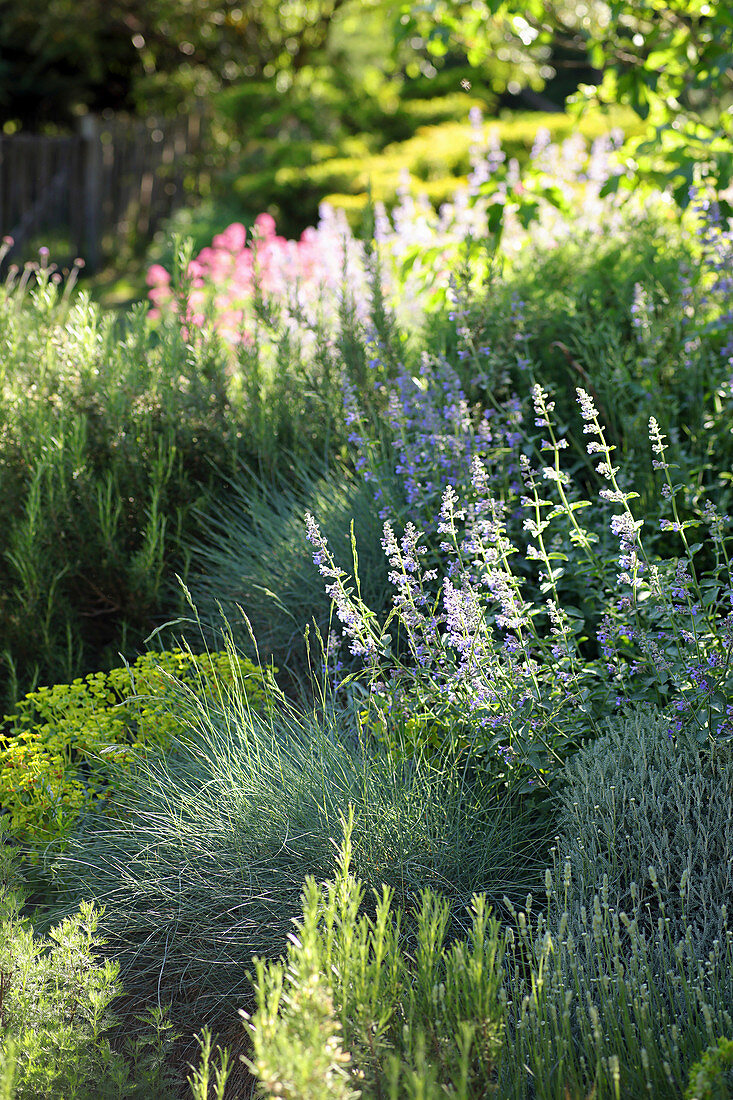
(496, 218)
(527, 212)
(611, 186)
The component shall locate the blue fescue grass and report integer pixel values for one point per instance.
(204, 865)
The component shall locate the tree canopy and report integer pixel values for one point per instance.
(58, 56)
(670, 60)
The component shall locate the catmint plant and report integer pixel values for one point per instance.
(431, 434)
(482, 634)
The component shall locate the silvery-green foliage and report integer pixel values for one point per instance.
(205, 867)
(639, 804)
(253, 556)
(592, 1013)
(625, 975)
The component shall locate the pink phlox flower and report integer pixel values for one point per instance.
(159, 296)
(265, 225)
(157, 276)
(233, 239)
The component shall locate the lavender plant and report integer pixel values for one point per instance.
(583, 1006)
(590, 1010)
(640, 807)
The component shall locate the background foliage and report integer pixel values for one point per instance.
(670, 62)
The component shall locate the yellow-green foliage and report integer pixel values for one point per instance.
(708, 1076)
(429, 146)
(437, 158)
(56, 748)
(404, 734)
(409, 730)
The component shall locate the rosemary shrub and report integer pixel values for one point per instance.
(349, 1014)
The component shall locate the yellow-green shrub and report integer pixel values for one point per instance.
(429, 141)
(56, 748)
(707, 1077)
(437, 158)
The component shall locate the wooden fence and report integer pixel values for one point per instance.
(94, 191)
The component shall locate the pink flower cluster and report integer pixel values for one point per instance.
(224, 276)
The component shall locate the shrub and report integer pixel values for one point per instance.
(107, 435)
(591, 1011)
(706, 1076)
(428, 140)
(440, 160)
(647, 813)
(463, 638)
(349, 1014)
(622, 981)
(587, 1012)
(439, 154)
(311, 113)
(67, 749)
(289, 138)
(55, 1021)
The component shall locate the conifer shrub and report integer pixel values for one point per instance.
(56, 996)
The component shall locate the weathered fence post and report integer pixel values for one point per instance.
(91, 190)
(97, 183)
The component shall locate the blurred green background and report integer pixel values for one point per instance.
(306, 100)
